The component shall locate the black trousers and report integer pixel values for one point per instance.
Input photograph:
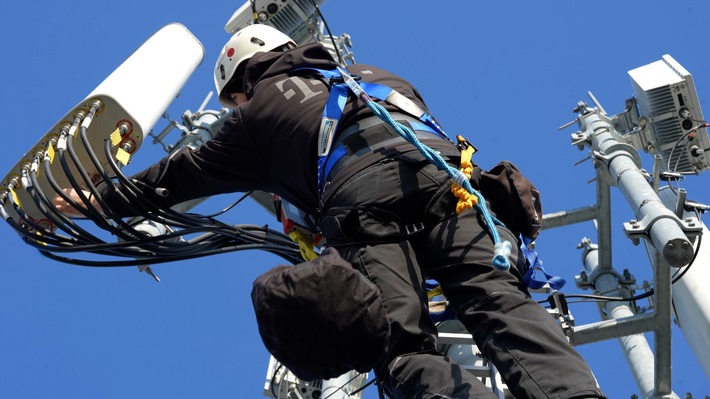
(396, 222)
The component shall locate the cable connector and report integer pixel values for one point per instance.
(147, 269)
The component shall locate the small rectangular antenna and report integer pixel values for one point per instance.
(295, 18)
(666, 96)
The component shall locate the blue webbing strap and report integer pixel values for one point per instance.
(531, 278)
(340, 151)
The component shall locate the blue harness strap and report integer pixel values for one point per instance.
(333, 111)
(339, 152)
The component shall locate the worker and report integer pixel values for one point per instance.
(386, 208)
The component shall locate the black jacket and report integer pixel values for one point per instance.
(269, 143)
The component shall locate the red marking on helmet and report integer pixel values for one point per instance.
(230, 52)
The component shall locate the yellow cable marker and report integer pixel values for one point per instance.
(39, 233)
(122, 156)
(115, 137)
(15, 198)
(50, 154)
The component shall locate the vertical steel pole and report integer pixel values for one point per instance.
(619, 164)
(635, 346)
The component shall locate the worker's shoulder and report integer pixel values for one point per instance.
(367, 67)
(374, 73)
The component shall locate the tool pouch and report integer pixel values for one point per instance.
(513, 199)
(321, 318)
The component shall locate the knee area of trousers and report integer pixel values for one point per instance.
(420, 376)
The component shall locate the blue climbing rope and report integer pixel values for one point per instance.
(331, 115)
(501, 249)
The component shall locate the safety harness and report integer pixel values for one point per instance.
(342, 84)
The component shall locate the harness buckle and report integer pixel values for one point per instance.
(337, 79)
(413, 228)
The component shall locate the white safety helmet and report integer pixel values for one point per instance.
(238, 50)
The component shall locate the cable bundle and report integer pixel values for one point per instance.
(154, 236)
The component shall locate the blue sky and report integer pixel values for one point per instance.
(505, 74)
